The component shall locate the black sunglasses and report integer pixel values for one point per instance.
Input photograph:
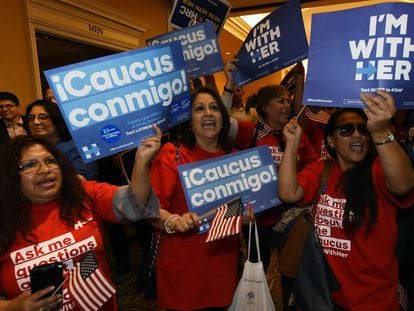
(347, 129)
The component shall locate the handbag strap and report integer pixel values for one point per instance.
(327, 165)
(257, 241)
(155, 246)
(323, 181)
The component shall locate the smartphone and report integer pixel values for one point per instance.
(46, 275)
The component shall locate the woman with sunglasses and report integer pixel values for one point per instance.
(48, 214)
(355, 218)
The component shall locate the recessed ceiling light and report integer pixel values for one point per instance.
(253, 19)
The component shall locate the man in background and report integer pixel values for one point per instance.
(12, 124)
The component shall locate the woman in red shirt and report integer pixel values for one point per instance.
(193, 274)
(48, 214)
(355, 218)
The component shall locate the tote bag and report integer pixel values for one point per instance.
(252, 292)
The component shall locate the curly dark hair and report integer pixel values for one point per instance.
(225, 142)
(55, 116)
(15, 209)
(357, 181)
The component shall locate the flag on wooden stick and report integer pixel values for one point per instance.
(227, 221)
(88, 287)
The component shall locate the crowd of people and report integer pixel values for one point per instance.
(363, 216)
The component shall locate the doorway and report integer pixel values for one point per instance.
(66, 32)
(53, 52)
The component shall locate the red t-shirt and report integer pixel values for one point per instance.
(59, 242)
(266, 136)
(364, 264)
(191, 274)
(315, 133)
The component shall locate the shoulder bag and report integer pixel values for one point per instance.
(147, 281)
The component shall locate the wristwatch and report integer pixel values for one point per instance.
(390, 138)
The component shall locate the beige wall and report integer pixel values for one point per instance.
(16, 72)
(155, 12)
(15, 58)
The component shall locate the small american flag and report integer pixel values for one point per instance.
(227, 221)
(316, 114)
(88, 287)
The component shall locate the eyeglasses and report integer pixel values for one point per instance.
(346, 130)
(33, 166)
(41, 118)
(7, 106)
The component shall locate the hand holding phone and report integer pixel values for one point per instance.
(47, 275)
(28, 301)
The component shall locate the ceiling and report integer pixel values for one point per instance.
(243, 7)
(239, 28)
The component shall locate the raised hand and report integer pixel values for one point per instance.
(228, 68)
(379, 108)
(149, 147)
(292, 132)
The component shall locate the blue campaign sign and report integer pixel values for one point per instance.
(191, 12)
(109, 103)
(361, 50)
(249, 174)
(277, 41)
(200, 48)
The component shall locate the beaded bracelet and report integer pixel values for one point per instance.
(168, 223)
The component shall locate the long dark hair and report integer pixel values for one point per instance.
(15, 209)
(224, 140)
(55, 116)
(357, 181)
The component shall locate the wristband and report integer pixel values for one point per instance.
(168, 223)
(228, 90)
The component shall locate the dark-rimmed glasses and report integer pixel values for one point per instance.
(33, 166)
(347, 129)
(41, 117)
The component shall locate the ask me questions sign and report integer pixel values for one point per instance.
(110, 103)
(361, 50)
